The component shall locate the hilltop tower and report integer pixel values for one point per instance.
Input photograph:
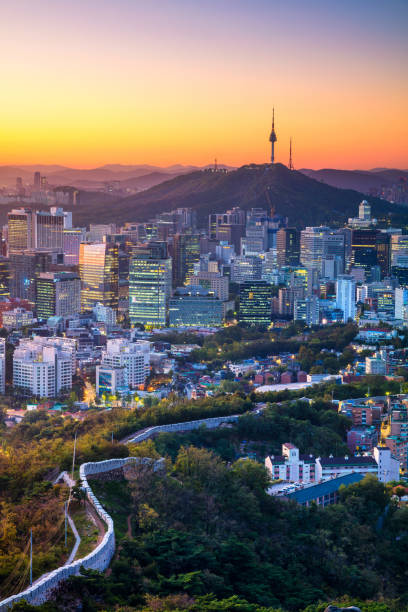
(273, 138)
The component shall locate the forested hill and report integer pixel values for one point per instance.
(304, 200)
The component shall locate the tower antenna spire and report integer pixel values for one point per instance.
(272, 137)
(290, 155)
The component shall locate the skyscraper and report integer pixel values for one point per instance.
(255, 303)
(312, 246)
(4, 277)
(37, 180)
(307, 310)
(98, 269)
(57, 293)
(49, 228)
(186, 252)
(150, 275)
(346, 296)
(25, 266)
(72, 239)
(288, 246)
(21, 229)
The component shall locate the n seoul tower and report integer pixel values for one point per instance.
(273, 138)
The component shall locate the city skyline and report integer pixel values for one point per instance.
(95, 82)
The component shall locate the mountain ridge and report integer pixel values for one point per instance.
(304, 200)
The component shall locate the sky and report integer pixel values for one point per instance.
(89, 82)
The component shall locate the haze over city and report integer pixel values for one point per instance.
(94, 82)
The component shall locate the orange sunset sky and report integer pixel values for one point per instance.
(89, 82)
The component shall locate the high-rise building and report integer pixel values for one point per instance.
(195, 306)
(255, 307)
(246, 268)
(234, 216)
(25, 266)
(364, 211)
(150, 277)
(37, 180)
(186, 252)
(21, 229)
(288, 246)
(72, 239)
(346, 296)
(383, 248)
(287, 297)
(98, 269)
(312, 246)
(4, 277)
(256, 233)
(133, 356)
(57, 293)
(42, 369)
(399, 249)
(49, 228)
(364, 250)
(307, 310)
(97, 231)
(401, 303)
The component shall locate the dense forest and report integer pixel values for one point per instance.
(206, 536)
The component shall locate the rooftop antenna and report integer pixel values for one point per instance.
(290, 166)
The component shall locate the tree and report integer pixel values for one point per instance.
(254, 475)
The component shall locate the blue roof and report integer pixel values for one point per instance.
(325, 488)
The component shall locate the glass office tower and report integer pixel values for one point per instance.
(149, 288)
(99, 270)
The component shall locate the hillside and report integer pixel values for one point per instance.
(360, 180)
(304, 200)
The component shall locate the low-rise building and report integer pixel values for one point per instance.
(362, 439)
(18, 318)
(291, 466)
(332, 467)
(324, 493)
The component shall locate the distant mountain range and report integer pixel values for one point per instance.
(360, 180)
(135, 176)
(143, 176)
(304, 200)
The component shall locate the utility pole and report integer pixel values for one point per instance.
(31, 556)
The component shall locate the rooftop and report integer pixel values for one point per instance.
(325, 488)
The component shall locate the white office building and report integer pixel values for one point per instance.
(41, 370)
(388, 465)
(133, 356)
(67, 345)
(401, 303)
(346, 296)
